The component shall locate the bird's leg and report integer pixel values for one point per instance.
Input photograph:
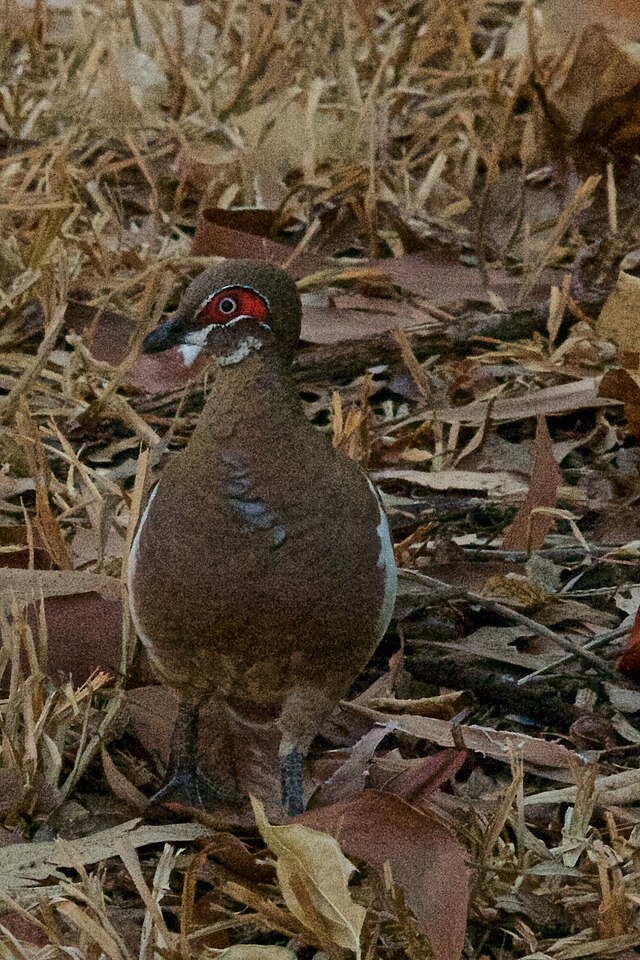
(181, 784)
(291, 783)
(303, 711)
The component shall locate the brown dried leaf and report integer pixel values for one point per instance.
(529, 528)
(27, 586)
(621, 17)
(213, 240)
(22, 865)
(121, 787)
(624, 385)
(444, 706)
(425, 860)
(499, 483)
(500, 744)
(255, 951)
(595, 107)
(351, 778)
(618, 320)
(418, 782)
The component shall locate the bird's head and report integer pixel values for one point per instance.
(230, 311)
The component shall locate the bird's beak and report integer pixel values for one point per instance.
(168, 334)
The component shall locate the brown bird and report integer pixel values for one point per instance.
(262, 573)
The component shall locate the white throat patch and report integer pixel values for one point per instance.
(247, 346)
(193, 344)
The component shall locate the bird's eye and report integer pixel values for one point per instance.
(227, 305)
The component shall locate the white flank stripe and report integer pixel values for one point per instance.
(131, 569)
(387, 562)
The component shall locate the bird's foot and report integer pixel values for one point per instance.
(189, 788)
(182, 788)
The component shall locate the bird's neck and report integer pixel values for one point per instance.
(254, 397)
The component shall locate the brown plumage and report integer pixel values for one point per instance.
(262, 574)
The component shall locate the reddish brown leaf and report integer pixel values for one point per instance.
(215, 240)
(257, 221)
(159, 372)
(15, 541)
(25, 931)
(107, 333)
(121, 787)
(621, 16)
(440, 277)
(331, 325)
(426, 860)
(230, 852)
(417, 783)
(529, 529)
(84, 634)
(619, 384)
(629, 662)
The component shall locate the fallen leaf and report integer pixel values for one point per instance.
(331, 325)
(27, 586)
(351, 778)
(22, 866)
(623, 698)
(624, 385)
(529, 528)
(629, 662)
(550, 401)
(255, 951)
(499, 643)
(444, 706)
(424, 857)
(14, 545)
(622, 17)
(28, 933)
(498, 483)
(213, 240)
(616, 789)
(500, 744)
(257, 221)
(84, 634)
(420, 780)
(439, 276)
(313, 874)
(618, 320)
(121, 787)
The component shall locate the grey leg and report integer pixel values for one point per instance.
(291, 783)
(182, 771)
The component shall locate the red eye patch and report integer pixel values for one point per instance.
(230, 304)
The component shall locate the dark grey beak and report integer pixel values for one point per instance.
(168, 334)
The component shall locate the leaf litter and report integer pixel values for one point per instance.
(454, 188)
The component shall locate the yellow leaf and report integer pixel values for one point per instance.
(255, 951)
(618, 320)
(313, 874)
